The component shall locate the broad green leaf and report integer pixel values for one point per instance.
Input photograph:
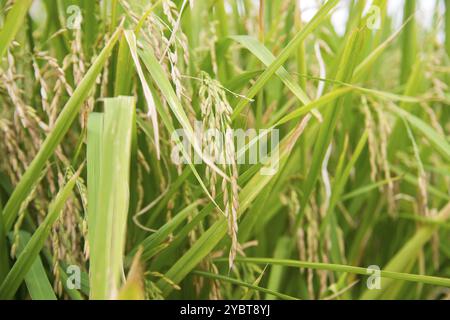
(110, 193)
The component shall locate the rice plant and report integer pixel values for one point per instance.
(216, 149)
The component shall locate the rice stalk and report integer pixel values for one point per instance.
(360, 172)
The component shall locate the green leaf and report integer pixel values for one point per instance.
(159, 76)
(109, 150)
(282, 251)
(407, 255)
(14, 22)
(284, 54)
(323, 101)
(31, 251)
(326, 131)
(437, 281)
(243, 284)
(60, 128)
(131, 40)
(211, 237)
(438, 141)
(409, 40)
(36, 279)
(151, 243)
(266, 57)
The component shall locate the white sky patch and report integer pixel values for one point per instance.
(395, 10)
(308, 8)
(441, 35)
(425, 9)
(38, 12)
(339, 17)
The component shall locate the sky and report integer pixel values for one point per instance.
(339, 17)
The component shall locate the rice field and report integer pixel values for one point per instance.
(219, 149)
